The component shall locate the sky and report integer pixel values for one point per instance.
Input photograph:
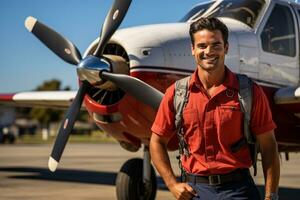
(26, 63)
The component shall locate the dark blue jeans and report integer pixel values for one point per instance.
(241, 190)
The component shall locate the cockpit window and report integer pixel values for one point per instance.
(245, 11)
(278, 35)
(196, 12)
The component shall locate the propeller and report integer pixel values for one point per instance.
(62, 47)
(135, 87)
(112, 21)
(91, 71)
(66, 127)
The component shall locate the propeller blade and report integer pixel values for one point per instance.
(54, 41)
(66, 127)
(112, 21)
(136, 88)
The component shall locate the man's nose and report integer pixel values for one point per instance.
(208, 50)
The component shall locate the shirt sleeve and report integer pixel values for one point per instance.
(261, 115)
(164, 123)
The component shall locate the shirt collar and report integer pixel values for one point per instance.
(230, 80)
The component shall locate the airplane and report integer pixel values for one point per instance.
(124, 73)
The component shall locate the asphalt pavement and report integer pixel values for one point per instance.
(88, 171)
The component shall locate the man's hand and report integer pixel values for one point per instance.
(182, 191)
(161, 160)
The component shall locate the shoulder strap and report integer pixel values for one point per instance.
(245, 99)
(181, 96)
(180, 99)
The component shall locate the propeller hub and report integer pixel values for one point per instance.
(90, 68)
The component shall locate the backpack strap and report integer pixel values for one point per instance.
(181, 97)
(245, 100)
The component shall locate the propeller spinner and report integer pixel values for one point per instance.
(93, 70)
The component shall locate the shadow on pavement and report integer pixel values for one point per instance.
(65, 175)
(105, 178)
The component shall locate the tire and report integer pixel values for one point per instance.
(129, 182)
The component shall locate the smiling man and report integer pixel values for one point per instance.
(212, 122)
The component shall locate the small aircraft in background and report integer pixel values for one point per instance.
(124, 73)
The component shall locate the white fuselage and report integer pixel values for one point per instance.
(165, 48)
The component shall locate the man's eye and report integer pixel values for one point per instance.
(216, 46)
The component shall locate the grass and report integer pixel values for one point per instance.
(94, 137)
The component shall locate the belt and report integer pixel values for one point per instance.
(236, 175)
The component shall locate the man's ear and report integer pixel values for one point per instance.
(226, 48)
(192, 49)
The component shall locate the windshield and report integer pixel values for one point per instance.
(196, 12)
(245, 11)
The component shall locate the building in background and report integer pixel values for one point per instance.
(8, 132)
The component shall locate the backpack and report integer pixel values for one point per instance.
(181, 97)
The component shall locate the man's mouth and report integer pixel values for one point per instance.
(211, 59)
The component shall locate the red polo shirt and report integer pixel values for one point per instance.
(213, 124)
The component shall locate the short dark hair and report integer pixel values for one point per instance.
(211, 24)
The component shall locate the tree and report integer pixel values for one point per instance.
(47, 115)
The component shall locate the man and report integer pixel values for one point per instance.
(212, 122)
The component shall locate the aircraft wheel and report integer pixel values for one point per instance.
(129, 182)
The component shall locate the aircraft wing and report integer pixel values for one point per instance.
(289, 97)
(46, 99)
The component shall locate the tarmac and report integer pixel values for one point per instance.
(88, 172)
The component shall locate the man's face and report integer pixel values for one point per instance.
(209, 49)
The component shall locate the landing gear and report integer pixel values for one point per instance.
(137, 179)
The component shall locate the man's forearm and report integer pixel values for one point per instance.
(271, 168)
(270, 162)
(162, 163)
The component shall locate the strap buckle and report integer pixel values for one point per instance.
(214, 180)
